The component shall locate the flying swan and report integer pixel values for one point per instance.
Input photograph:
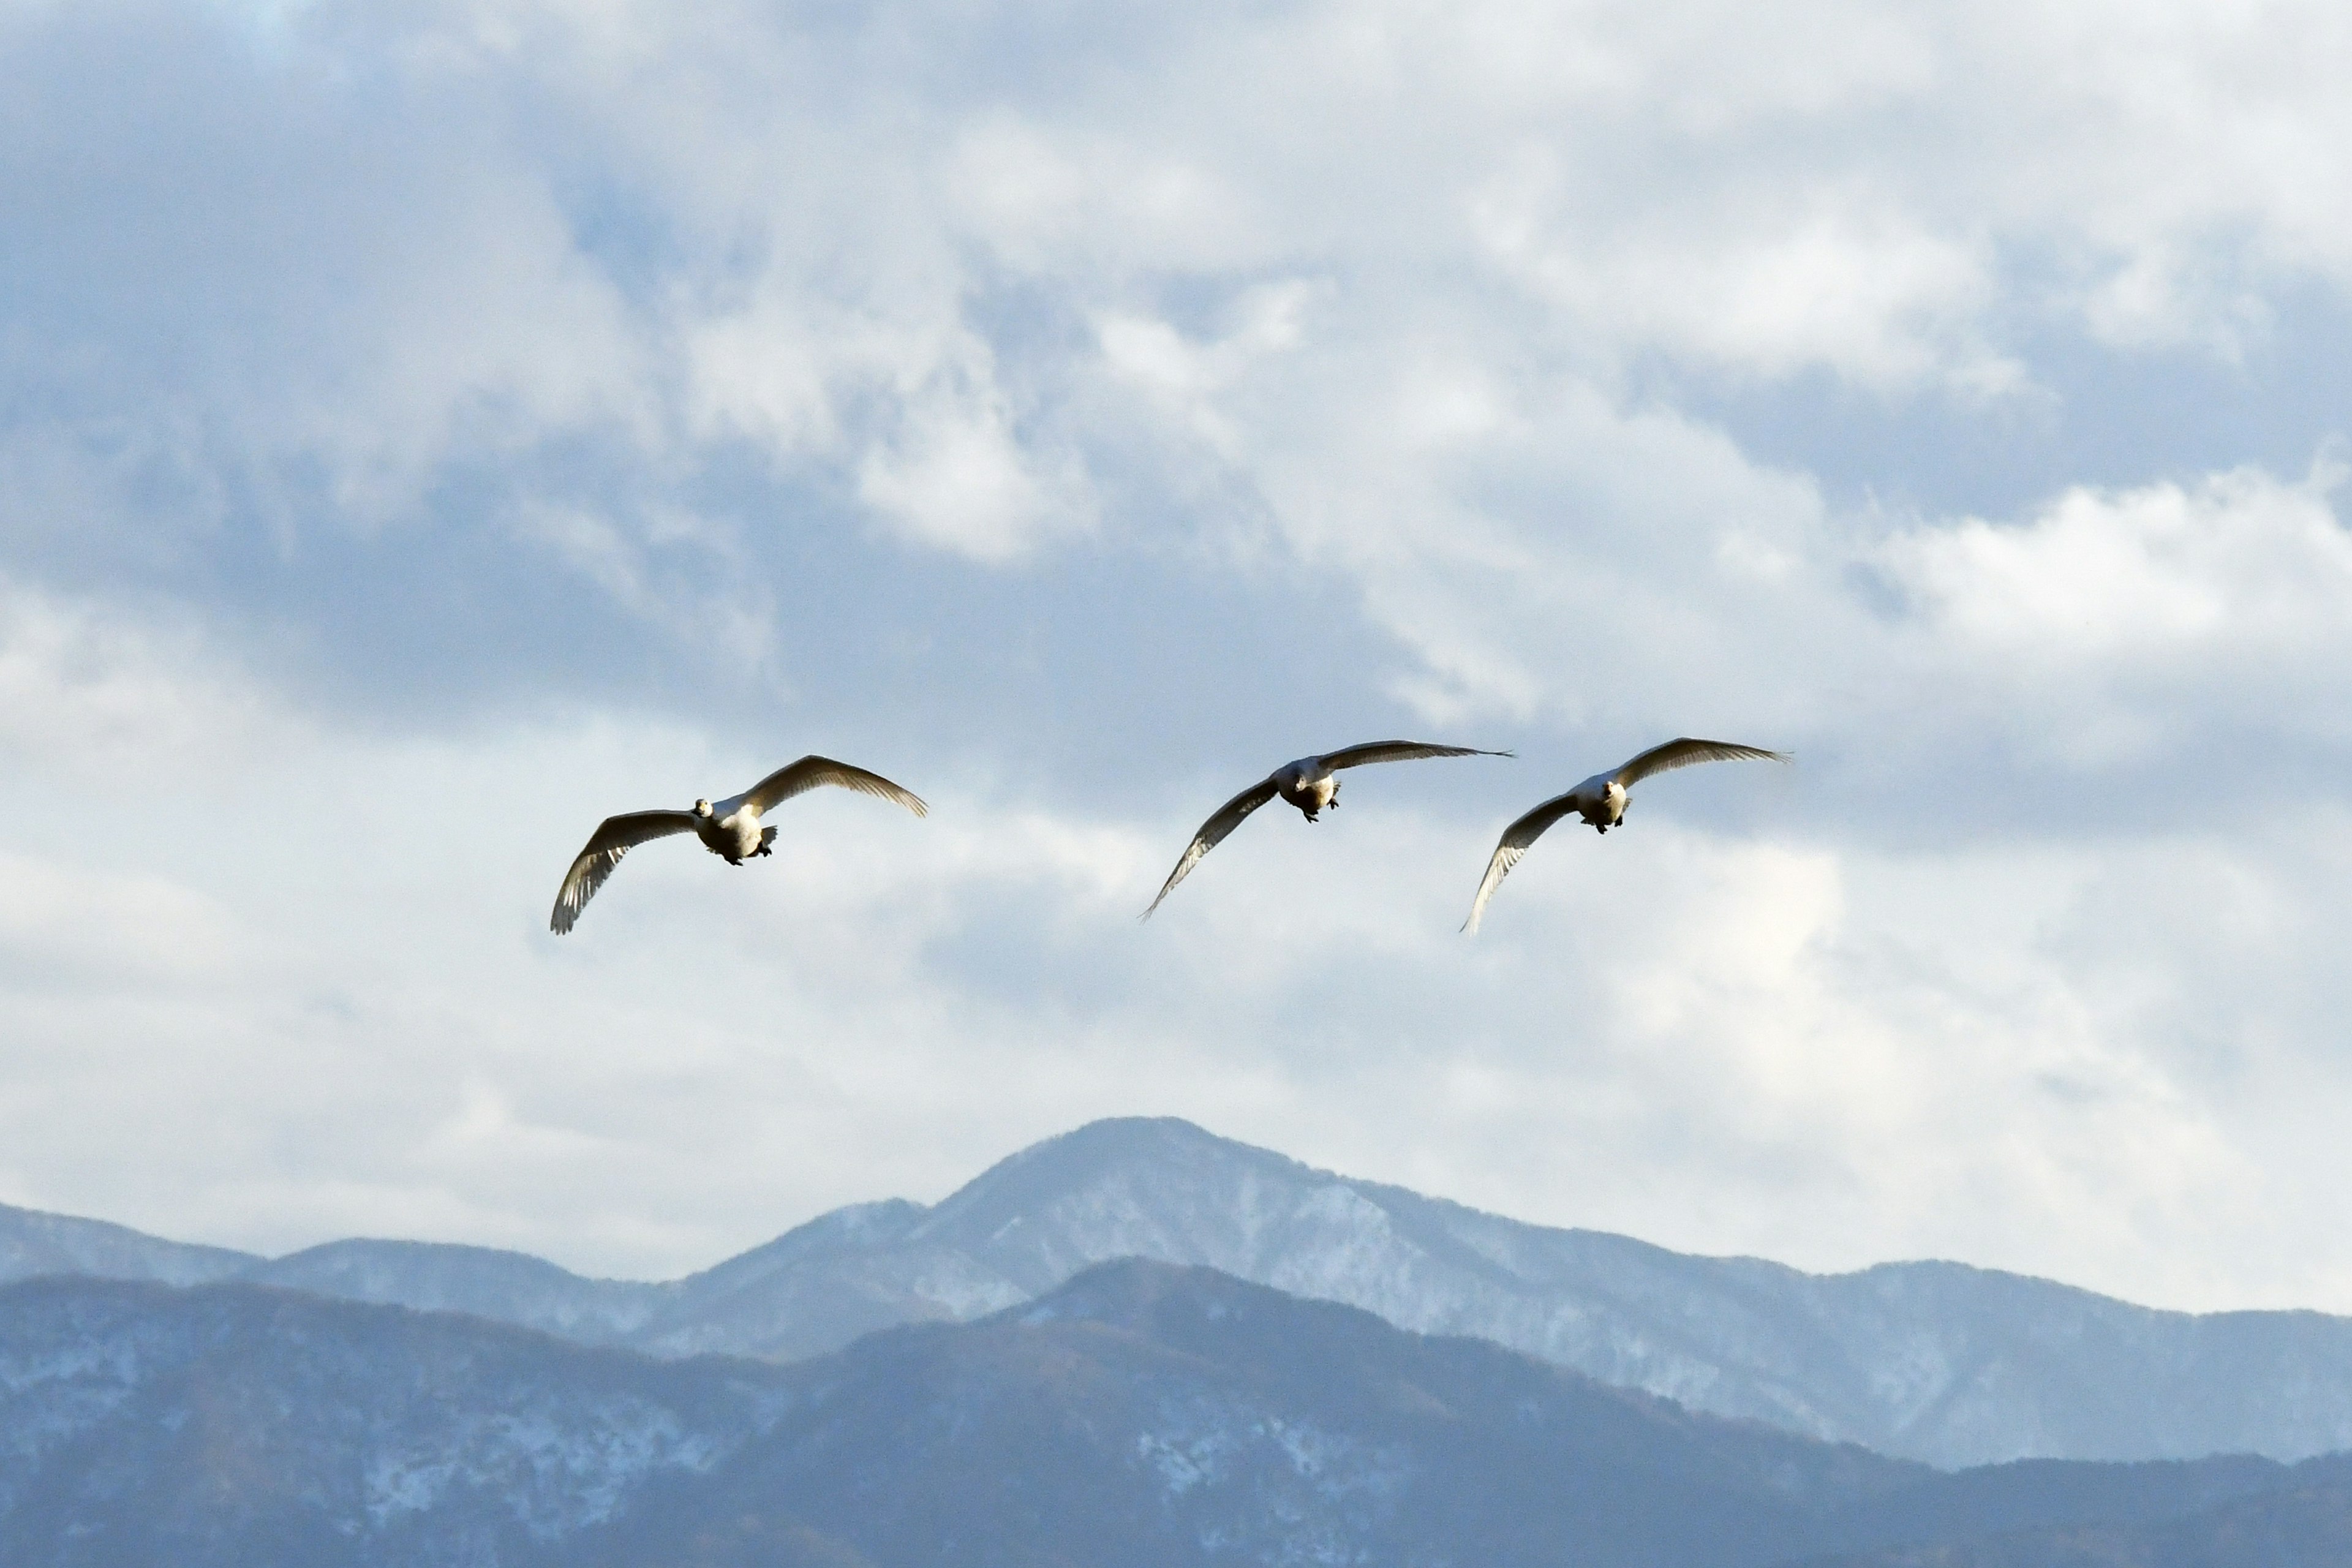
(1307, 784)
(728, 828)
(1601, 801)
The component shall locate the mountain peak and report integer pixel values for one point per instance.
(1126, 1292)
(1103, 1145)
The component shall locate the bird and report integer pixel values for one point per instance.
(1601, 801)
(1308, 783)
(728, 828)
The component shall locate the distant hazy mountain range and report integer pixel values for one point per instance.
(1140, 1415)
(1934, 1362)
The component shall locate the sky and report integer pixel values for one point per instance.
(429, 425)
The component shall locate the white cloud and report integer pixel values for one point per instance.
(97, 700)
(67, 927)
(599, 223)
(956, 476)
(2156, 574)
(1765, 284)
(2128, 625)
(747, 312)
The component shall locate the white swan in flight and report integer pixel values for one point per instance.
(1307, 784)
(728, 828)
(1601, 801)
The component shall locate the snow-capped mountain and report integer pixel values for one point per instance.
(1937, 1362)
(1934, 1362)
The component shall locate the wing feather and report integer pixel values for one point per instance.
(614, 837)
(1213, 833)
(1683, 753)
(814, 773)
(1398, 752)
(1514, 842)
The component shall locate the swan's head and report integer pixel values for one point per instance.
(702, 808)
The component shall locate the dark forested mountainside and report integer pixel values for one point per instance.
(1141, 1414)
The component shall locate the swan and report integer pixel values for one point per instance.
(1308, 783)
(1601, 801)
(728, 828)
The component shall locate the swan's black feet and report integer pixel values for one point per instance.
(763, 849)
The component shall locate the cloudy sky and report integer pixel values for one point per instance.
(428, 425)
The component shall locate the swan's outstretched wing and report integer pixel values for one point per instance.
(1398, 752)
(1213, 833)
(1514, 844)
(1683, 753)
(615, 837)
(813, 772)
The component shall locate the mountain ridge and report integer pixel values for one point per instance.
(1936, 1361)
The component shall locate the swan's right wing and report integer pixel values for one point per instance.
(614, 839)
(1516, 839)
(1213, 833)
(1683, 753)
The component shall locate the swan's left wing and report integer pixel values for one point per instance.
(1398, 752)
(815, 772)
(1683, 753)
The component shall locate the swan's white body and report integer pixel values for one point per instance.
(728, 828)
(1601, 802)
(1309, 784)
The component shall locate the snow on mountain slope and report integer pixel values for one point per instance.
(228, 1426)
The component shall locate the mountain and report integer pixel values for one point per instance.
(1935, 1362)
(1148, 1415)
(1140, 1414)
(813, 1289)
(34, 1244)
(241, 1427)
